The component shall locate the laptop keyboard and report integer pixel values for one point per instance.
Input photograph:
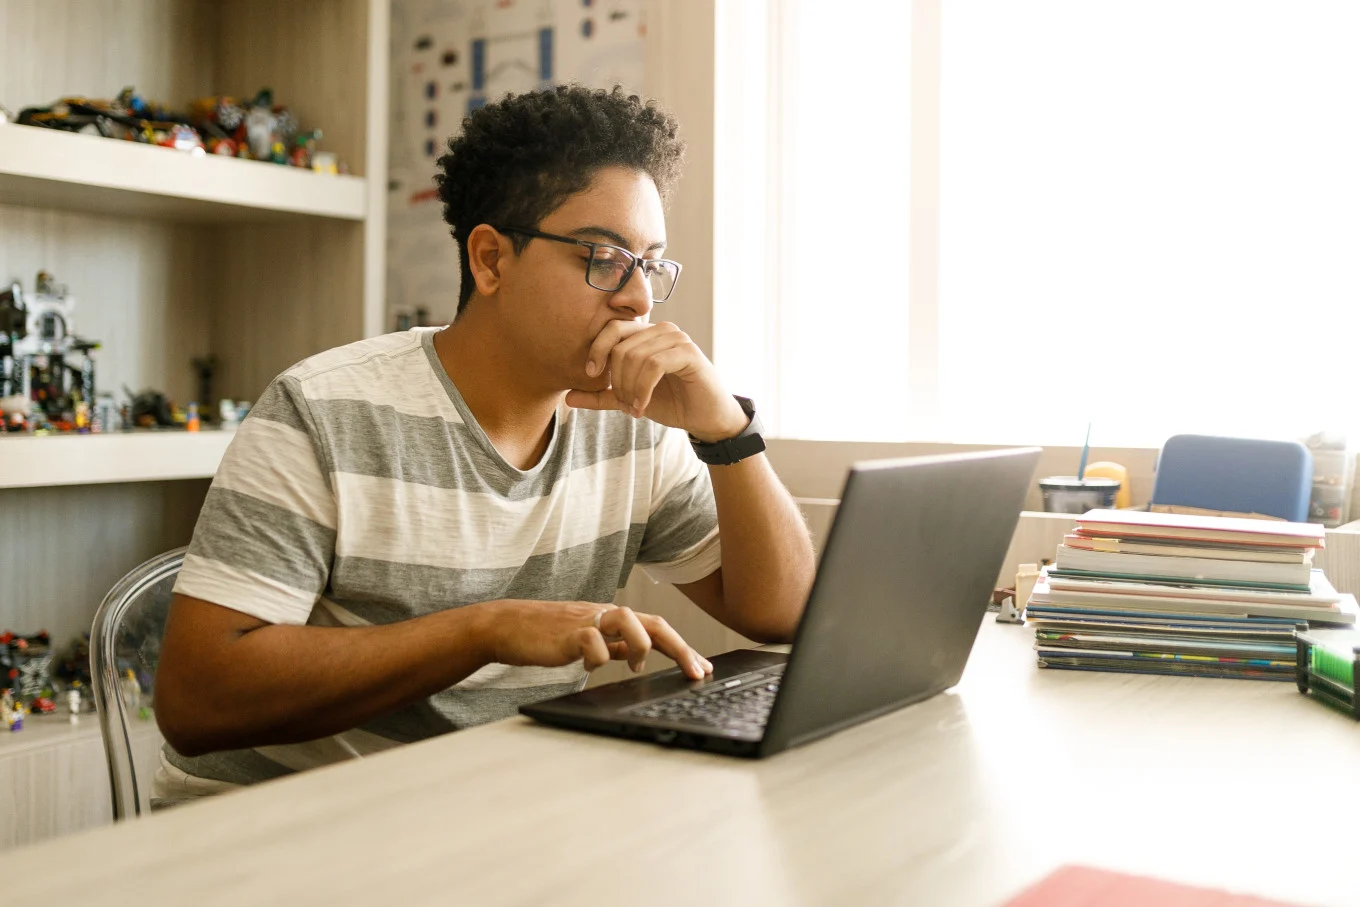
(738, 704)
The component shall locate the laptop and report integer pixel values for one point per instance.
(905, 578)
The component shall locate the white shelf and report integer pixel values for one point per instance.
(31, 461)
(52, 169)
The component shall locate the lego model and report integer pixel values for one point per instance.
(47, 371)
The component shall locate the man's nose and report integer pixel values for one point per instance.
(636, 294)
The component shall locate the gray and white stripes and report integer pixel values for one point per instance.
(360, 490)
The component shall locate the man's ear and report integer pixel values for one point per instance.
(487, 252)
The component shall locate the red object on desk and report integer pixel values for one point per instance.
(1082, 886)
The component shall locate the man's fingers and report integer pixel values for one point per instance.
(669, 643)
(633, 366)
(653, 370)
(613, 332)
(591, 645)
(623, 622)
(593, 400)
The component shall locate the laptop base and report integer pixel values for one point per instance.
(604, 709)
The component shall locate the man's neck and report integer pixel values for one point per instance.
(516, 416)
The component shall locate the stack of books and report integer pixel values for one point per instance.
(1161, 593)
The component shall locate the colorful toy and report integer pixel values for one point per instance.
(259, 130)
(46, 369)
(128, 116)
(26, 665)
(183, 137)
(11, 711)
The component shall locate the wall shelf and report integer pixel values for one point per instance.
(31, 461)
(170, 256)
(52, 169)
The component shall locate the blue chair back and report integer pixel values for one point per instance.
(1243, 475)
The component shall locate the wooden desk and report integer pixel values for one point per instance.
(963, 799)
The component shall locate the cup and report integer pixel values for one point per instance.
(1069, 494)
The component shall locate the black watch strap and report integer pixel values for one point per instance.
(733, 450)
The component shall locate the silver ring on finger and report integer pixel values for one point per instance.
(599, 616)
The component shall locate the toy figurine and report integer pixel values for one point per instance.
(134, 696)
(183, 137)
(267, 125)
(12, 711)
(325, 162)
(73, 704)
(304, 148)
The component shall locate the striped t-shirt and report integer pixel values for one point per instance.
(360, 490)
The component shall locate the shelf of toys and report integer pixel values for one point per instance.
(165, 158)
(51, 168)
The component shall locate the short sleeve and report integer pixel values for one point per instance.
(265, 538)
(680, 544)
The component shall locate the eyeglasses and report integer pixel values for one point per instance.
(610, 267)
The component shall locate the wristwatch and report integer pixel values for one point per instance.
(733, 450)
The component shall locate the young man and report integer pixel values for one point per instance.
(422, 531)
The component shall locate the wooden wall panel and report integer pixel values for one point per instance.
(62, 549)
(312, 53)
(93, 48)
(282, 294)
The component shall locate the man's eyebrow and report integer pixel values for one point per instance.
(613, 237)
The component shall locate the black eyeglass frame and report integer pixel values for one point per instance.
(648, 264)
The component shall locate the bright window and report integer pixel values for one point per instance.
(815, 184)
(1149, 217)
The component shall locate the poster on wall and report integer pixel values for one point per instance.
(450, 57)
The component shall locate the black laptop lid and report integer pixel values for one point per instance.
(904, 581)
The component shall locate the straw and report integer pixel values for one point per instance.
(1085, 450)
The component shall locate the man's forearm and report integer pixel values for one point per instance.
(768, 563)
(286, 684)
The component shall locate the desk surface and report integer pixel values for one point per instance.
(964, 799)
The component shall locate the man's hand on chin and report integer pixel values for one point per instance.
(657, 371)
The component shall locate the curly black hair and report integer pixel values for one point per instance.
(519, 158)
